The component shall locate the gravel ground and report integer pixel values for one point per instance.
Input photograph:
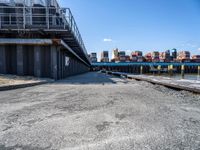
(94, 111)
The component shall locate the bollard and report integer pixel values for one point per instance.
(141, 69)
(159, 69)
(182, 71)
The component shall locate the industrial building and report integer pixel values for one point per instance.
(39, 38)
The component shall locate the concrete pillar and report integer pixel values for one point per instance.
(2, 59)
(20, 60)
(37, 61)
(54, 65)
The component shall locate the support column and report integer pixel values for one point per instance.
(54, 65)
(37, 61)
(2, 59)
(20, 60)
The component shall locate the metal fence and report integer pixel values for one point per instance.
(24, 18)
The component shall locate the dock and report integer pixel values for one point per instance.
(178, 84)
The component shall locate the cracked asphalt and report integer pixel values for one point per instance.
(95, 111)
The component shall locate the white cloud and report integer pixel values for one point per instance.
(107, 40)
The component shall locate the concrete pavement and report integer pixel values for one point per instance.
(99, 112)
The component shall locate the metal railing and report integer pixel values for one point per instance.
(23, 17)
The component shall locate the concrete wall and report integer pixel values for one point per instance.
(73, 67)
(39, 61)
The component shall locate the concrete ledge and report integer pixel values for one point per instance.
(170, 83)
(18, 86)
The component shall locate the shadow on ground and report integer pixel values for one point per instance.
(88, 78)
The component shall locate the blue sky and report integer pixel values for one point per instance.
(137, 24)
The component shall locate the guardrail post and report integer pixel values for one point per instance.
(182, 71)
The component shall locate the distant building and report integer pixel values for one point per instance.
(155, 56)
(104, 56)
(148, 57)
(93, 57)
(122, 53)
(196, 58)
(137, 56)
(115, 55)
(152, 57)
(183, 56)
(128, 59)
(122, 56)
(165, 56)
(174, 54)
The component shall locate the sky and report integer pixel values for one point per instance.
(147, 25)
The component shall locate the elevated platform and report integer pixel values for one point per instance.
(40, 40)
(42, 23)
